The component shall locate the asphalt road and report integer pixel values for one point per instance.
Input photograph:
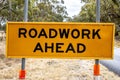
(113, 65)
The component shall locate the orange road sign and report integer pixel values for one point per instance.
(60, 40)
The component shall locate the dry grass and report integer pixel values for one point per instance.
(117, 43)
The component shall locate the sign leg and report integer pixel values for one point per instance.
(97, 66)
(22, 71)
(97, 70)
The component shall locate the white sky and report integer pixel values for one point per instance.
(73, 6)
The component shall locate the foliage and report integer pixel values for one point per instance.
(110, 12)
(49, 10)
(39, 10)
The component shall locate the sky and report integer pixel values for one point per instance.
(73, 7)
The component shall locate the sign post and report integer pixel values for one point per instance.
(97, 65)
(23, 72)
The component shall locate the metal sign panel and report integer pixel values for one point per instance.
(60, 40)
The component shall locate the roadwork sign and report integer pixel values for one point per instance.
(60, 40)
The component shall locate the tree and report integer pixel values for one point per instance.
(39, 10)
(50, 10)
(110, 12)
(87, 13)
(12, 10)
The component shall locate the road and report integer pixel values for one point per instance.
(113, 65)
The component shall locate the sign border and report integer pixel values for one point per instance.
(112, 24)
